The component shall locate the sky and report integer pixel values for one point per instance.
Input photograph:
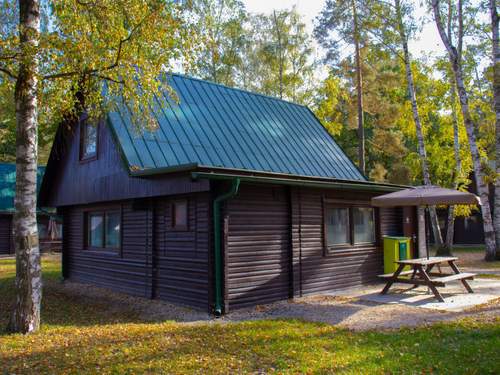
(429, 42)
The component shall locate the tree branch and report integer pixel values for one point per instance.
(8, 72)
(117, 58)
(444, 37)
(11, 57)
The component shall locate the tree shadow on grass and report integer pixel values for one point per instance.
(258, 346)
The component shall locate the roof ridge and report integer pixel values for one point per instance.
(235, 88)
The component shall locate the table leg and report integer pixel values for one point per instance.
(413, 276)
(393, 279)
(429, 283)
(457, 271)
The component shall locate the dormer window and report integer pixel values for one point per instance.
(88, 145)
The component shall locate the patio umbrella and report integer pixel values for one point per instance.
(425, 196)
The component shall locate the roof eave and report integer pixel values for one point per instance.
(219, 173)
(307, 181)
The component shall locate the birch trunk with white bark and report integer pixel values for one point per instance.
(26, 315)
(482, 188)
(416, 118)
(496, 99)
(450, 226)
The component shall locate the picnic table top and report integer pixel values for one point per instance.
(425, 261)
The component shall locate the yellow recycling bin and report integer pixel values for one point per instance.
(395, 248)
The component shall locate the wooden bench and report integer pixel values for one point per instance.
(458, 276)
(388, 275)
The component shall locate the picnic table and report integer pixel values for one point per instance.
(421, 273)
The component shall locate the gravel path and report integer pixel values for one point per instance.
(350, 313)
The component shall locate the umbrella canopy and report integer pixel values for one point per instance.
(425, 196)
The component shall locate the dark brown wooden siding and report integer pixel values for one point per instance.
(182, 256)
(168, 265)
(124, 271)
(257, 246)
(69, 182)
(5, 234)
(391, 221)
(315, 270)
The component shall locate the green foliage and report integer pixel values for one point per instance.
(218, 25)
(280, 41)
(93, 52)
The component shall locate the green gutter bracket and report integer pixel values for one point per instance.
(218, 243)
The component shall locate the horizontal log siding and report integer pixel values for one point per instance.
(182, 257)
(5, 234)
(314, 270)
(73, 182)
(391, 221)
(257, 246)
(127, 272)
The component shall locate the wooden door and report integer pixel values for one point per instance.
(410, 228)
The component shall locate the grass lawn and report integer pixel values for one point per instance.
(81, 337)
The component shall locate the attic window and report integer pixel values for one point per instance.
(88, 145)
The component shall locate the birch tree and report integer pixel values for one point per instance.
(416, 117)
(456, 65)
(219, 25)
(495, 50)
(119, 43)
(281, 56)
(450, 227)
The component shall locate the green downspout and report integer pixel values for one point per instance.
(218, 243)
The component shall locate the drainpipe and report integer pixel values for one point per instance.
(218, 243)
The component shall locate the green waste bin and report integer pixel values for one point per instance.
(395, 248)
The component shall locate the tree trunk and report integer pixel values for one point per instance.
(280, 54)
(418, 124)
(458, 169)
(359, 90)
(496, 99)
(489, 233)
(26, 316)
(450, 231)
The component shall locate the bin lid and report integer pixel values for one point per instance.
(399, 238)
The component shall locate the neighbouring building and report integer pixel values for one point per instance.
(49, 227)
(236, 199)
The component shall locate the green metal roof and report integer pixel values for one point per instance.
(8, 185)
(221, 127)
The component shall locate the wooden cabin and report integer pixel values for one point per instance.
(49, 227)
(236, 199)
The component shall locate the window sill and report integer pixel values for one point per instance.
(340, 249)
(88, 159)
(103, 251)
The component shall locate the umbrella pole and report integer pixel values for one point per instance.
(427, 232)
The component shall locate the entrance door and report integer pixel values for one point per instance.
(410, 228)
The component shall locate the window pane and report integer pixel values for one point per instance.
(89, 140)
(364, 225)
(180, 214)
(113, 229)
(96, 230)
(337, 224)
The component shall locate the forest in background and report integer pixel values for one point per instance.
(273, 54)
